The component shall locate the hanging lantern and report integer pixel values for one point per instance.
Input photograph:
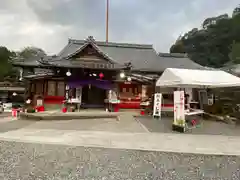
(129, 79)
(122, 75)
(28, 101)
(67, 87)
(101, 75)
(68, 73)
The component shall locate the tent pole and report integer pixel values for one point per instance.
(153, 94)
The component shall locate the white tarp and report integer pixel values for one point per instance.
(173, 77)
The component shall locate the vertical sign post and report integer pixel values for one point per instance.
(157, 108)
(67, 92)
(79, 94)
(179, 109)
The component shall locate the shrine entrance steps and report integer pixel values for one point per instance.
(83, 114)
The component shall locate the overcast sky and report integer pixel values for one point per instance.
(49, 23)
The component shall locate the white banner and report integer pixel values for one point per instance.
(79, 94)
(179, 109)
(112, 97)
(157, 104)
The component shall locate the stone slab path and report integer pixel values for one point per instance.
(182, 143)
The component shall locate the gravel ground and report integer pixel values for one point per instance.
(25, 161)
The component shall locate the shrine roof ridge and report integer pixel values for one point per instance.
(112, 44)
(175, 55)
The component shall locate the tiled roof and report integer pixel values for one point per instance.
(178, 61)
(33, 61)
(29, 62)
(232, 68)
(143, 57)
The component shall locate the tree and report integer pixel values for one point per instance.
(209, 46)
(236, 11)
(235, 53)
(177, 47)
(6, 68)
(213, 20)
(30, 52)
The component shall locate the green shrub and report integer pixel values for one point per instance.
(31, 110)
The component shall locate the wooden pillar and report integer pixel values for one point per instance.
(28, 85)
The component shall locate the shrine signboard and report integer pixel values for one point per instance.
(179, 109)
(93, 64)
(157, 105)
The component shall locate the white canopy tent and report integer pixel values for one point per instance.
(191, 78)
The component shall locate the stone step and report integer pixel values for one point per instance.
(68, 116)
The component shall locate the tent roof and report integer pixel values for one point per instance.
(172, 77)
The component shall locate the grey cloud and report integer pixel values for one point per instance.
(74, 12)
(141, 21)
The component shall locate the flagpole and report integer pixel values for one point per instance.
(107, 19)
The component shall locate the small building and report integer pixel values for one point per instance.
(11, 94)
(89, 70)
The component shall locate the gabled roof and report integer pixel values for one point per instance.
(142, 57)
(91, 41)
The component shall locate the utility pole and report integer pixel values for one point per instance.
(107, 19)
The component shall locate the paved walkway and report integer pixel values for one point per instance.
(7, 119)
(207, 127)
(182, 143)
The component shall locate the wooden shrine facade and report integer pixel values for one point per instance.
(88, 69)
(87, 73)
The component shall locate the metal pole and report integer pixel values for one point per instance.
(107, 19)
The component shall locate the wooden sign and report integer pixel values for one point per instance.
(157, 105)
